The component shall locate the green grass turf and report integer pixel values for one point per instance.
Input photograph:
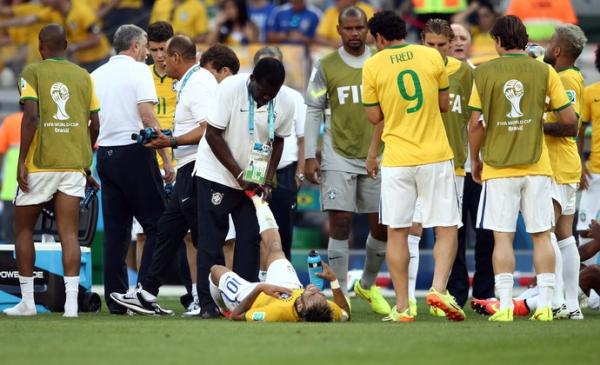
(105, 339)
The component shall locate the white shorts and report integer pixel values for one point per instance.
(460, 184)
(234, 289)
(589, 206)
(502, 198)
(566, 196)
(43, 186)
(433, 184)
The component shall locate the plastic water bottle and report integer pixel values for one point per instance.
(315, 266)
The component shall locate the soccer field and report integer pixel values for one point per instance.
(103, 339)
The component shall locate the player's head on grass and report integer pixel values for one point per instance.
(460, 47)
(312, 306)
(438, 34)
(220, 61)
(132, 41)
(266, 80)
(158, 35)
(52, 41)
(510, 34)
(566, 45)
(386, 27)
(181, 55)
(352, 28)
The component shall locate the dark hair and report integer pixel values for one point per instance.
(388, 24)
(270, 70)
(352, 12)
(183, 45)
(438, 26)
(511, 32)
(488, 5)
(241, 20)
(319, 312)
(597, 61)
(220, 56)
(160, 32)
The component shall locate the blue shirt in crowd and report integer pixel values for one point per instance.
(260, 17)
(285, 19)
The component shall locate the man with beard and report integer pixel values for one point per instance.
(346, 188)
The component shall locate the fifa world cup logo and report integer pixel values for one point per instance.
(60, 95)
(514, 91)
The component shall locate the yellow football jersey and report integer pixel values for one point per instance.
(165, 109)
(31, 31)
(564, 156)
(189, 18)
(270, 309)
(29, 93)
(328, 24)
(590, 113)
(79, 22)
(558, 99)
(405, 81)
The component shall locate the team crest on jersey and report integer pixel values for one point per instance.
(217, 198)
(258, 316)
(60, 95)
(572, 96)
(514, 91)
(582, 216)
(331, 194)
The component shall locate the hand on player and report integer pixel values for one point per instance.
(372, 166)
(22, 177)
(91, 181)
(327, 273)
(274, 290)
(584, 183)
(169, 172)
(161, 141)
(476, 168)
(312, 170)
(594, 230)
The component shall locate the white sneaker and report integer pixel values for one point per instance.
(21, 310)
(576, 314)
(192, 310)
(560, 312)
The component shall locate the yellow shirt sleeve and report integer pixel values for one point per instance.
(369, 94)
(556, 91)
(443, 76)
(586, 107)
(571, 87)
(475, 100)
(94, 102)
(27, 91)
(201, 23)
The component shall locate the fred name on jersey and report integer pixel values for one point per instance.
(351, 94)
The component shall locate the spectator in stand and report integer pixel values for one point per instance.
(188, 17)
(10, 140)
(88, 47)
(327, 32)
(114, 13)
(483, 47)
(295, 22)
(233, 27)
(259, 12)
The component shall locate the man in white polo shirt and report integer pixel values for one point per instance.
(251, 119)
(196, 96)
(131, 181)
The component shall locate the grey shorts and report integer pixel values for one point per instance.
(350, 192)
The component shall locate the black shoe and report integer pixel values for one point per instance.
(186, 300)
(210, 313)
(141, 302)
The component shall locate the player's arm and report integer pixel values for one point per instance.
(371, 163)
(18, 21)
(475, 134)
(214, 137)
(275, 158)
(94, 127)
(29, 125)
(149, 119)
(566, 126)
(585, 120)
(316, 103)
(239, 313)
(338, 295)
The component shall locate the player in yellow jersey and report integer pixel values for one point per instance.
(566, 45)
(188, 17)
(405, 87)
(510, 92)
(281, 298)
(589, 207)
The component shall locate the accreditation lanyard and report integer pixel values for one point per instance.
(270, 118)
(186, 78)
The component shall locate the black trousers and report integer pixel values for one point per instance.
(483, 280)
(283, 205)
(179, 216)
(131, 187)
(215, 203)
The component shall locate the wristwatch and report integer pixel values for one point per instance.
(300, 176)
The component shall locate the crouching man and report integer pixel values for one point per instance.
(281, 298)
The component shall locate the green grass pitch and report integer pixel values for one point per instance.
(104, 339)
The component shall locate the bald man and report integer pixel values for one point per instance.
(54, 160)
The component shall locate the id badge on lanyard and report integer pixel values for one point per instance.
(260, 153)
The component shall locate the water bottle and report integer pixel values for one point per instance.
(315, 266)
